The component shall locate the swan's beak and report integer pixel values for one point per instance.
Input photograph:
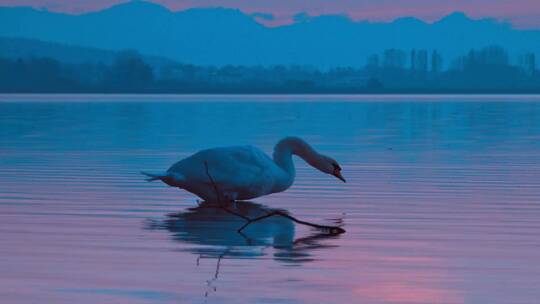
(338, 175)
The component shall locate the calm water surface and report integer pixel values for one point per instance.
(442, 203)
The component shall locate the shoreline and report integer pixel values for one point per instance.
(68, 97)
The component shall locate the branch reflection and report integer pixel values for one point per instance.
(214, 232)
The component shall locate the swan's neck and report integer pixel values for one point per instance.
(284, 150)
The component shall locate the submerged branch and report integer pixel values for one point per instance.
(333, 230)
(330, 229)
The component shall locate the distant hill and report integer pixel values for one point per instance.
(28, 48)
(220, 36)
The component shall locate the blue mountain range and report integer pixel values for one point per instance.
(219, 36)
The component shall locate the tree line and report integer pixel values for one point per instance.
(488, 70)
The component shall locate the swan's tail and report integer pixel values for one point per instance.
(155, 176)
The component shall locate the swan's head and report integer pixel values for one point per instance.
(294, 145)
(330, 166)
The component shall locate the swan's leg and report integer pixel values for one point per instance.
(231, 197)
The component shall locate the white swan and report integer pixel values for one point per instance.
(245, 172)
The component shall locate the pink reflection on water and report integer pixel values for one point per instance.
(403, 291)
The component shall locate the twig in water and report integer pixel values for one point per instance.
(334, 230)
(216, 274)
(210, 283)
(216, 189)
(331, 229)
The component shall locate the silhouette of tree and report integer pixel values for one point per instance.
(527, 62)
(129, 72)
(394, 58)
(436, 62)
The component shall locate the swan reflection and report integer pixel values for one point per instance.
(214, 232)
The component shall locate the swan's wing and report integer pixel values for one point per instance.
(234, 169)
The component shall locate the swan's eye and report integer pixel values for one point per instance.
(336, 167)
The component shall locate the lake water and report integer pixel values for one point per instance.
(442, 203)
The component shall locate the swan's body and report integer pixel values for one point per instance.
(243, 172)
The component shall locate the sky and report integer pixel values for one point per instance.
(524, 14)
